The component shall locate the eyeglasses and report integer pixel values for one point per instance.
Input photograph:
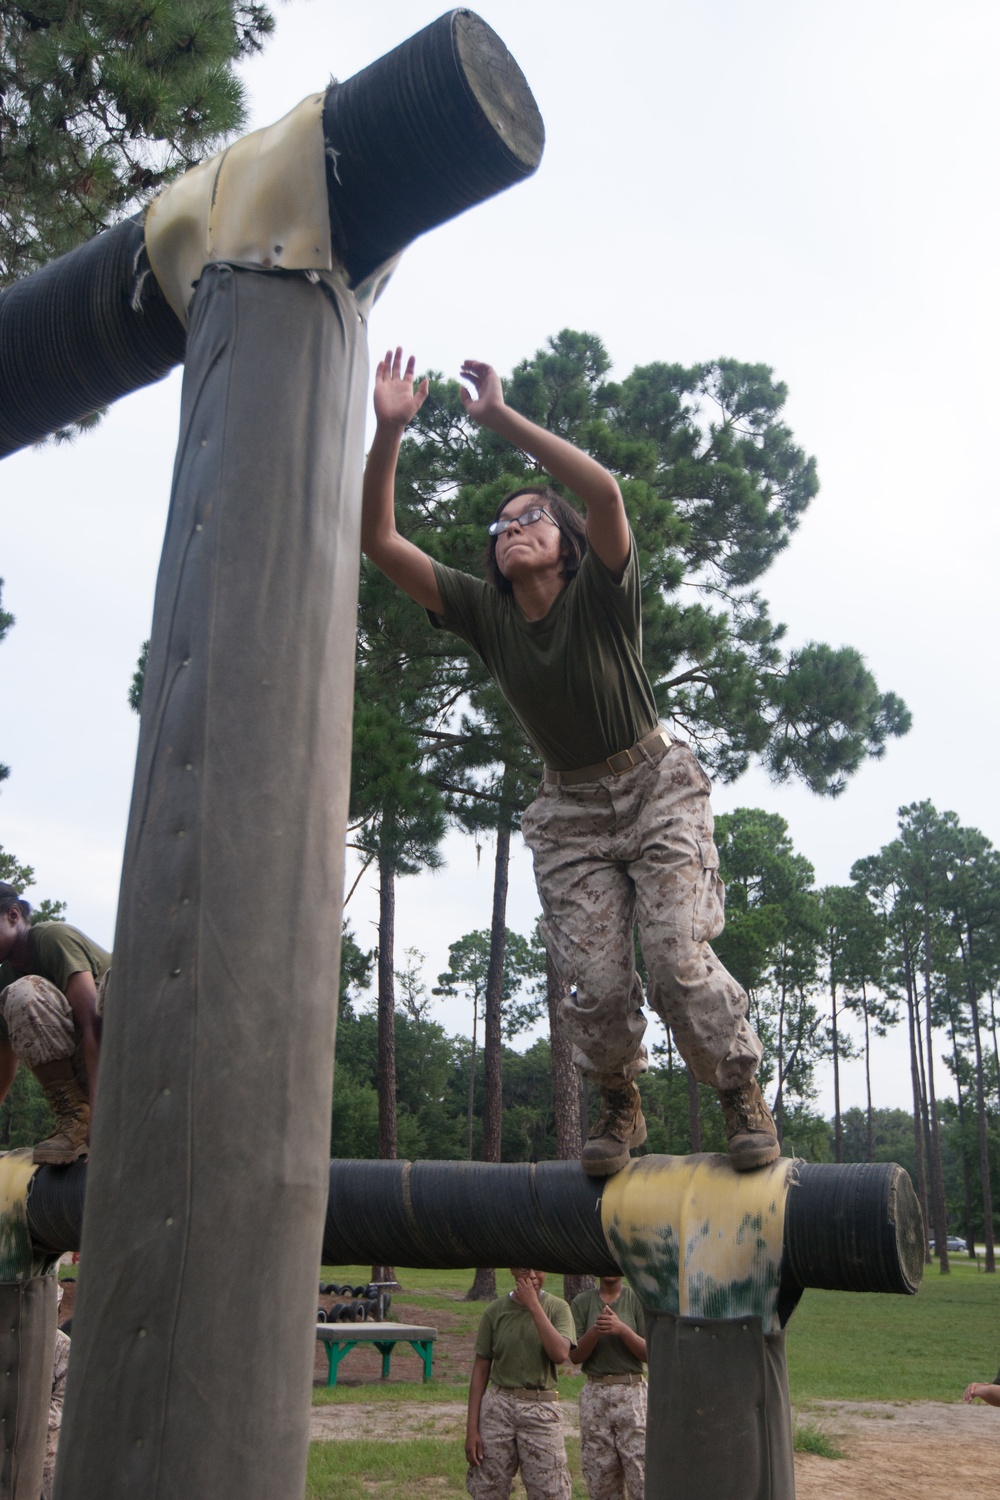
(526, 518)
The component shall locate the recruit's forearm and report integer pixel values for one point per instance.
(587, 479)
(585, 1345)
(378, 512)
(555, 1344)
(396, 556)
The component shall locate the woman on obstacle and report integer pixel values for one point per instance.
(621, 829)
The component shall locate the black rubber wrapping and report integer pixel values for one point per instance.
(442, 1214)
(79, 334)
(442, 122)
(853, 1228)
(55, 1207)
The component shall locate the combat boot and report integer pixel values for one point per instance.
(70, 1140)
(750, 1128)
(620, 1126)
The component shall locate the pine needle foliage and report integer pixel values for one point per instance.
(102, 102)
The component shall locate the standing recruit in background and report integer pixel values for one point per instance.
(621, 828)
(612, 1350)
(513, 1420)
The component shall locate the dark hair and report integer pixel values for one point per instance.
(9, 897)
(566, 517)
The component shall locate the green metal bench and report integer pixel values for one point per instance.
(341, 1338)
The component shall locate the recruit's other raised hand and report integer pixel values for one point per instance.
(489, 389)
(396, 401)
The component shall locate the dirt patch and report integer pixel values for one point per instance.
(923, 1450)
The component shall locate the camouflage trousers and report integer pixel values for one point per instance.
(613, 1440)
(40, 1022)
(639, 846)
(525, 1435)
(59, 1369)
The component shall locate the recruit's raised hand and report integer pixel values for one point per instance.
(489, 390)
(396, 401)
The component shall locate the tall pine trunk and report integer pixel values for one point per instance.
(868, 1074)
(956, 1063)
(387, 1136)
(387, 1132)
(984, 1153)
(838, 1130)
(937, 1175)
(918, 1135)
(566, 1110)
(484, 1286)
(492, 1032)
(470, 1108)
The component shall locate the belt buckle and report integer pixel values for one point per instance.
(617, 756)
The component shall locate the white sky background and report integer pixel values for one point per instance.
(789, 182)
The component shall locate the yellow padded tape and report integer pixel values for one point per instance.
(263, 201)
(697, 1239)
(18, 1260)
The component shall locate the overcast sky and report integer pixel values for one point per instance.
(806, 185)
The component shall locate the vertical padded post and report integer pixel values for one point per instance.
(719, 1417)
(27, 1346)
(211, 1136)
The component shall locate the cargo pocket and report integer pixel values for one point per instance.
(708, 915)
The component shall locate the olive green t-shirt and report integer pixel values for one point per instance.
(58, 951)
(575, 679)
(508, 1336)
(610, 1356)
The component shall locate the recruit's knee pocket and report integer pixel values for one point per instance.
(708, 911)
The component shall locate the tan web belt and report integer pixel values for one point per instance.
(651, 749)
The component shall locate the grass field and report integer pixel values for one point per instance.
(841, 1346)
(355, 1470)
(845, 1346)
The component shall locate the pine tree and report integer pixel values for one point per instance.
(100, 105)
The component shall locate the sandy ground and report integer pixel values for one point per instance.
(924, 1450)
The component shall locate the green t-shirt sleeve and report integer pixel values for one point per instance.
(581, 1314)
(561, 1318)
(465, 599)
(621, 597)
(61, 952)
(484, 1338)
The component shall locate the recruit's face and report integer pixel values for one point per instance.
(10, 926)
(525, 1273)
(523, 550)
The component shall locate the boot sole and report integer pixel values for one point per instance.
(42, 1158)
(756, 1156)
(606, 1166)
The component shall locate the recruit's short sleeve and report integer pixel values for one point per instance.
(622, 597)
(580, 1309)
(484, 1337)
(464, 599)
(62, 952)
(559, 1315)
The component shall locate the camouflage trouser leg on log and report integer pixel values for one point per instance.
(525, 1435)
(639, 846)
(40, 1022)
(613, 1440)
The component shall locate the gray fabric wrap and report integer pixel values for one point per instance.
(719, 1417)
(193, 1332)
(27, 1346)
